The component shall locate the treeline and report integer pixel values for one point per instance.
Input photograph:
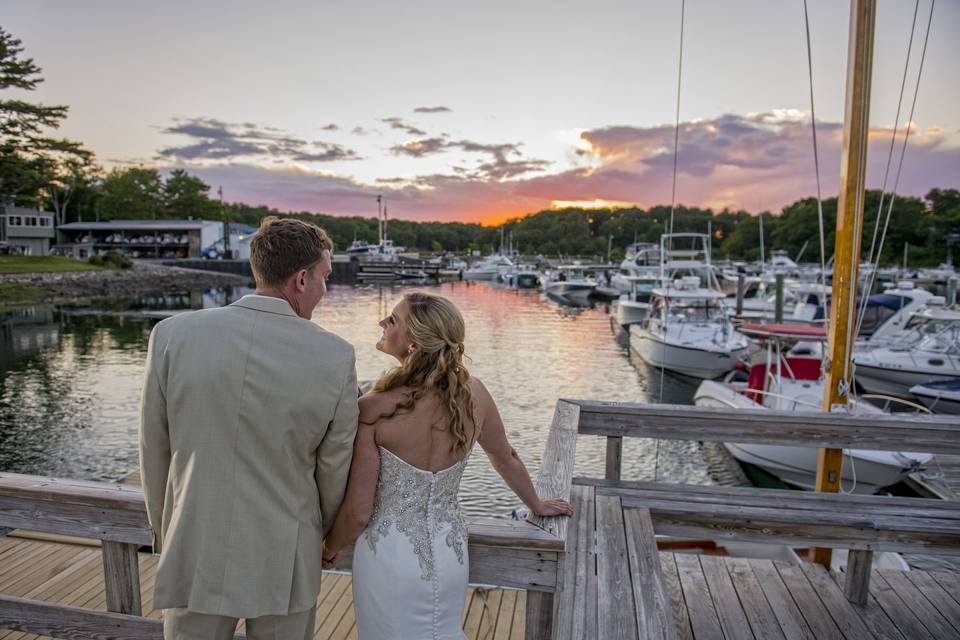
(61, 175)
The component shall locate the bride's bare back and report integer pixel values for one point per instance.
(420, 437)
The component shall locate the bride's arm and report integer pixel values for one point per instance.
(504, 458)
(357, 506)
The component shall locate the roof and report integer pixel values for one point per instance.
(144, 225)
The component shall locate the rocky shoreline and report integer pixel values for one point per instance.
(141, 279)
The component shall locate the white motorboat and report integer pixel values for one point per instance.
(892, 370)
(939, 397)
(688, 330)
(795, 384)
(489, 268)
(642, 258)
(569, 284)
(887, 314)
(631, 308)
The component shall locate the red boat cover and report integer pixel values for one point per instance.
(802, 369)
(783, 330)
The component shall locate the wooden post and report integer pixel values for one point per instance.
(778, 308)
(741, 290)
(539, 620)
(857, 584)
(121, 573)
(614, 457)
(853, 168)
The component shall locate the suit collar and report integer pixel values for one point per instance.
(267, 304)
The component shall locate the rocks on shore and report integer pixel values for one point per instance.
(142, 278)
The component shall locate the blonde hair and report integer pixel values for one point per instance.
(436, 328)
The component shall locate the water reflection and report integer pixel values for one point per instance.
(70, 380)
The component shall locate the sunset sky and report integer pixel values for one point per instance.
(482, 111)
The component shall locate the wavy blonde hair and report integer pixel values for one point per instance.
(435, 326)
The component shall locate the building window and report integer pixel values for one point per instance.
(31, 221)
(15, 221)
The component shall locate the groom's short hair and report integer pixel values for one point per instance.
(283, 246)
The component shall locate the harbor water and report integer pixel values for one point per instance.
(70, 381)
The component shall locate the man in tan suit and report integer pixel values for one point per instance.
(248, 418)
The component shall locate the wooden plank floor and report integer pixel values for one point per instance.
(940, 480)
(722, 598)
(73, 574)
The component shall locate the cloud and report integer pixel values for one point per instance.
(398, 123)
(742, 162)
(499, 167)
(358, 131)
(433, 110)
(216, 140)
(330, 127)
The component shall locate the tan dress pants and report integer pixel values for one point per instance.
(182, 624)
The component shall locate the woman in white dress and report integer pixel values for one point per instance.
(417, 429)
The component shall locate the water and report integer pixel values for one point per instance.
(70, 382)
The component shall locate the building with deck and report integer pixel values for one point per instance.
(26, 231)
(155, 239)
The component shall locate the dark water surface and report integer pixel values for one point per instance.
(70, 381)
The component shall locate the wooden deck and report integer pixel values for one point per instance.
(940, 480)
(73, 574)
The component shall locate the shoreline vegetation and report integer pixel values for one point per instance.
(56, 286)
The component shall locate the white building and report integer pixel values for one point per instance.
(26, 231)
(161, 239)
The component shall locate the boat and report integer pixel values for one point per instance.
(641, 259)
(790, 383)
(489, 269)
(569, 284)
(939, 397)
(893, 369)
(688, 330)
(631, 308)
(523, 276)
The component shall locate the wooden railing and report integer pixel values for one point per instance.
(862, 524)
(502, 552)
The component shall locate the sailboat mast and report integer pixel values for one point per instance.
(853, 165)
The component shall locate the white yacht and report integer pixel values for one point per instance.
(642, 259)
(689, 330)
(939, 397)
(631, 308)
(570, 284)
(790, 383)
(894, 368)
(490, 268)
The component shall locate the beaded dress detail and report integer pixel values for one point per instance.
(411, 564)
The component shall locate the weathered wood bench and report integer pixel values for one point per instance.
(863, 524)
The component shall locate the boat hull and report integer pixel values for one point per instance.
(893, 382)
(571, 291)
(628, 312)
(864, 471)
(689, 361)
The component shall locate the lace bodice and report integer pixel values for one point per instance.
(420, 504)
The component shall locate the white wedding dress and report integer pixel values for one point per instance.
(410, 565)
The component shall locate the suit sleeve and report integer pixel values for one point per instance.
(154, 437)
(336, 450)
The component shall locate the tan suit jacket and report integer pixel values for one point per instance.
(246, 437)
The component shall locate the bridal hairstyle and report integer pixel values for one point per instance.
(283, 246)
(437, 329)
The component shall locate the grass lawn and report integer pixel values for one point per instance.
(42, 264)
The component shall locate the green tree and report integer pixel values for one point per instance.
(186, 196)
(131, 193)
(70, 175)
(28, 156)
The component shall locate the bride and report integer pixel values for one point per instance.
(417, 429)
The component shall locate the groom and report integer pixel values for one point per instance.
(247, 425)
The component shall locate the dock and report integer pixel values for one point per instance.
(599, 574)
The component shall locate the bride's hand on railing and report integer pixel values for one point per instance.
(553, 507)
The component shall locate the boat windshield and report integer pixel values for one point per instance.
(695, 311)
(946, 341)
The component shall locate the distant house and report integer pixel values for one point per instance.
(158, 239)
(26, 231)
